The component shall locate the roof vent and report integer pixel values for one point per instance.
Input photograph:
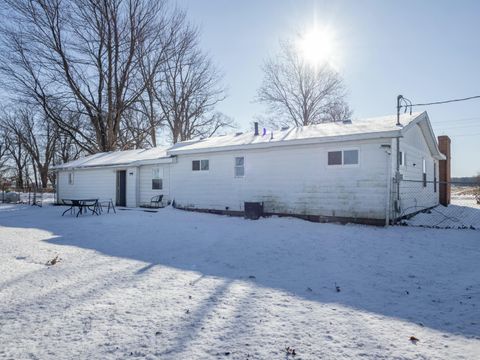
(285, 128)
(238, 133)
(255, 124)
(347, 121)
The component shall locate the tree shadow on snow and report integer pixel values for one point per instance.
(411, 274)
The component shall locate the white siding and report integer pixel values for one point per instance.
(413, 195)
(294, 180)
(145, 183)
(132, 186)
(95, 183)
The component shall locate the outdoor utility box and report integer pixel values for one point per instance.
(253, 210)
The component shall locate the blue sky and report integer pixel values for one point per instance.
(425, 50)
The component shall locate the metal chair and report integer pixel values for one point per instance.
(108, 203)
(156, 201)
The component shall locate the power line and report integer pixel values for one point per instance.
(456, 120)
(452, 135)
(446, 101)
(455, 127)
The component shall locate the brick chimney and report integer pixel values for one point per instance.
(444, 170)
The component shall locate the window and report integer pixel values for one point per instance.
(403, 159)
(345, 157)
(200, 165)
(334, 158)
(424, 169)
(239, 166)
(350, 157)
(70, 178)
(157, 182)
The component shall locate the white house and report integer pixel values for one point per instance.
(340, 171)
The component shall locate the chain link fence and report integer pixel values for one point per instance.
(29, 195)
(418, 203)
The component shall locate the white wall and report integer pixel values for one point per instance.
(291, 179)
(132, 186)
(413, 195)
(95, 183)
(145, 183)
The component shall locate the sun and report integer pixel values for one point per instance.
(319, 46)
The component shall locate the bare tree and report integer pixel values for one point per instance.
(37, 136)
(299, 93)
(66, 148)
(83, 57)
(3, 154)
(187, 88)
(17, 155)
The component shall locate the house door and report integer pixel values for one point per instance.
(121, 188)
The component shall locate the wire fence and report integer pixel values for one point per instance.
(29, 195)
(435, 204)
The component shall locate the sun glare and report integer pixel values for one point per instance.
(318, 47)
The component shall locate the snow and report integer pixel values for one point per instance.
(463, 212)
(377, 125)
(126, 157)
(384, 124)
(185, 285)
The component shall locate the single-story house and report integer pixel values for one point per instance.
(339, 171)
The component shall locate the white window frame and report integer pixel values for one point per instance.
(343, 165)
(71, 179)
(200, 165)
(159, 177)
(235, 166)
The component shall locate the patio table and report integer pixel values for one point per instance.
(82, 205)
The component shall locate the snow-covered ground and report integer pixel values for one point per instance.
(181, 285)
(463, 212)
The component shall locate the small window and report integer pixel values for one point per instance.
(157, 182)
(403, 159)
(424, 169)
(204, 165)
(334, 158)
(239, 166)
(350, 157)
(200, 165)
(345, 157)
(70, 178)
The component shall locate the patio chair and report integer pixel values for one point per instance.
(108, 203)
(156, 201)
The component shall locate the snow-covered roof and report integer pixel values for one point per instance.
(117, 158)
(377, 127)
(361, 129)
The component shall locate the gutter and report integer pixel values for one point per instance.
(163, 160)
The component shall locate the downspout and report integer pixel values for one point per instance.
(397, 170)
(137, 186)
(57, 185)
(389, 184)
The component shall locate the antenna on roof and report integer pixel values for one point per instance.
(405, 103)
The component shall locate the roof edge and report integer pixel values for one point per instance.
(308, 141)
